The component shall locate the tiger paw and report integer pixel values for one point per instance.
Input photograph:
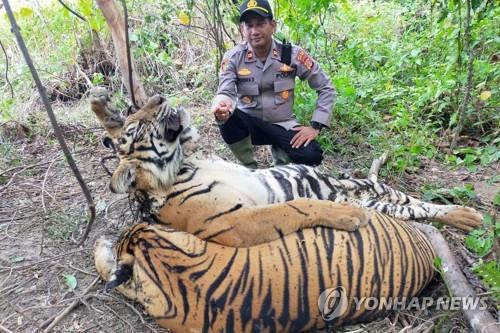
(107, 113)
(463, 218)
(352, 218)
(104, 258)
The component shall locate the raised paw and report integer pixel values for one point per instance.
(99, 99)
(107, 113)
(463, 218)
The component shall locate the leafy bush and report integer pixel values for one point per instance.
(480, 241)
(399, 69)
(398, 66)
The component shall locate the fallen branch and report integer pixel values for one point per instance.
(52, 322)
(16, 268)
(376, 164)
(24, 168)
(481, 321)
(5, 329)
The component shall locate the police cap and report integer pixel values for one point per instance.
(260, 7)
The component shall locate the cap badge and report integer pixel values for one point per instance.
(252, 4)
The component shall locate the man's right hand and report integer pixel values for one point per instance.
(222, 111)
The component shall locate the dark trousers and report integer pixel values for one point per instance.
(240, 125)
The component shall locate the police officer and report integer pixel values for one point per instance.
(255, 96)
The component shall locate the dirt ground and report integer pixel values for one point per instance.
(43, 214)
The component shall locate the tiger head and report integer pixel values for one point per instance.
(149, 143)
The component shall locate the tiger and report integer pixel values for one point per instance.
(309, 279)
(213, 199)
(225, 248)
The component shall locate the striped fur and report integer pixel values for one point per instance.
(203, 196)
(188, 284)
(265, 265)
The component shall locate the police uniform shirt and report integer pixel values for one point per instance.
(266, 90)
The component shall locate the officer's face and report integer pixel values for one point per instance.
(258, 31)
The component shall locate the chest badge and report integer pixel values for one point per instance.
(244, 72)
(285, 68)
(285, 94)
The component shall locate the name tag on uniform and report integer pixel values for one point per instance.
(282, 75)
(246, 79)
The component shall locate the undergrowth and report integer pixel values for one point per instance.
(399, 68)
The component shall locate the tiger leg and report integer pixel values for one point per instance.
(107, 113)
(255, 225)
(118, 275)
(399, 205)
(463, 218)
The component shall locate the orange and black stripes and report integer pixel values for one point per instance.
(274, 286)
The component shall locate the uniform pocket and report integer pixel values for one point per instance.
(247, 94)
(283, 91)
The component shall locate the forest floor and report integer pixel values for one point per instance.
(42, 209)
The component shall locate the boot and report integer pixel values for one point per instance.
(243, 152)
(280, 157)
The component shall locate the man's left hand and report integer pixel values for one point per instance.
(304, 136)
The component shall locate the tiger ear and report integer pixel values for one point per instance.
(123, 177)
(189, 140)
(177, 124)
(172, 134)
(148, 111)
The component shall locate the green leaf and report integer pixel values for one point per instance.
(438, 264)
(70, 281)
(487, 219)
(479, 241)
(496, 199)
(454, 119)
(16, 259)
(133, 37)
(485, 95)
(25, 12)
(97, 79)
(416, 149)
(489, 273)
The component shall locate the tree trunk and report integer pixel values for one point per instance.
(462, 112)
(117, 27)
